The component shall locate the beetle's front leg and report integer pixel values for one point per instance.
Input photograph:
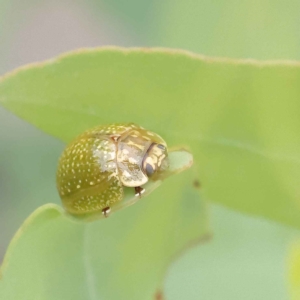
(106, 211)
(139, 191)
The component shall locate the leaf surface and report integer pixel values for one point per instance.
(240, 119)
(123, 257)
(294, 271)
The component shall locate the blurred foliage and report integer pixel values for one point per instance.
(139, 15)
(239, 29)
(233, 28)
(246, 260)
(27, 173)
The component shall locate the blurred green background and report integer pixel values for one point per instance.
(247, 259)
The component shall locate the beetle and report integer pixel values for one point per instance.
(96, 166)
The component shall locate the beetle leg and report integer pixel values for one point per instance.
(139, 191)
(106, 211)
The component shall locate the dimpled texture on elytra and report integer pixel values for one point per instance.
(88, 176)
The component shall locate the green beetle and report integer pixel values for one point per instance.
(94, 169)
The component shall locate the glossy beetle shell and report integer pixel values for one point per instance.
(94, 169)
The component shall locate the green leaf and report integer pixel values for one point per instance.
(239, 119)
(122, 257)
(294, 271)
